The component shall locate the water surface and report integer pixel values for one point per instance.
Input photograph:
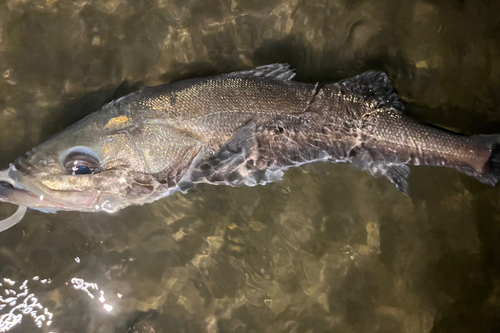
(328, 249)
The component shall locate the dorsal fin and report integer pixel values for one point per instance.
(275, 71)
(374, 86)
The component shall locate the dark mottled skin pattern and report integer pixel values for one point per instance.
(358, 120)
(238, 128)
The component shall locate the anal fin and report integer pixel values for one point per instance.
(377, 165)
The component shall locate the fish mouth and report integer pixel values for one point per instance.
(20, 190)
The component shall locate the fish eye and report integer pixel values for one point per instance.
(81, 161)
(80, 168)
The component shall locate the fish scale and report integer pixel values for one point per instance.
(241, 128)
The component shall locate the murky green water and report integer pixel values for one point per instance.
(328, 249)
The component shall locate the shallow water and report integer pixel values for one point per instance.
(328, 249)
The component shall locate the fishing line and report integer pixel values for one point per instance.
(20, 212)
(13, 219)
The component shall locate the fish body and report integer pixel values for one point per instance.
(239, 128)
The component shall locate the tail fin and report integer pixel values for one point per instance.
(491, 170)
(493, 164)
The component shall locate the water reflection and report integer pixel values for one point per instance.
(328, 248)
(20, 304)
(80, 284)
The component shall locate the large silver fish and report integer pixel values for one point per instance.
(239, 128)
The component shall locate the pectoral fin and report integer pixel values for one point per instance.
(228, 164)
(237, 149)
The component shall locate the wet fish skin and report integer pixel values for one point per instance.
(239, 128)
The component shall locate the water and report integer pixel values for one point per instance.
(328, 249)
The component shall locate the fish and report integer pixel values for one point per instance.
(240, 128)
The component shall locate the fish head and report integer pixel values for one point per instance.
(97, 164)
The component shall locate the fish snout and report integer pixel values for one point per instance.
(7, 185)
(18, 189)
(12, 192)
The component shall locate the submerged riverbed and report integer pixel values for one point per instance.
(328, 249)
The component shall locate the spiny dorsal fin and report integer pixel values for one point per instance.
(374, 86)
(275, 71)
